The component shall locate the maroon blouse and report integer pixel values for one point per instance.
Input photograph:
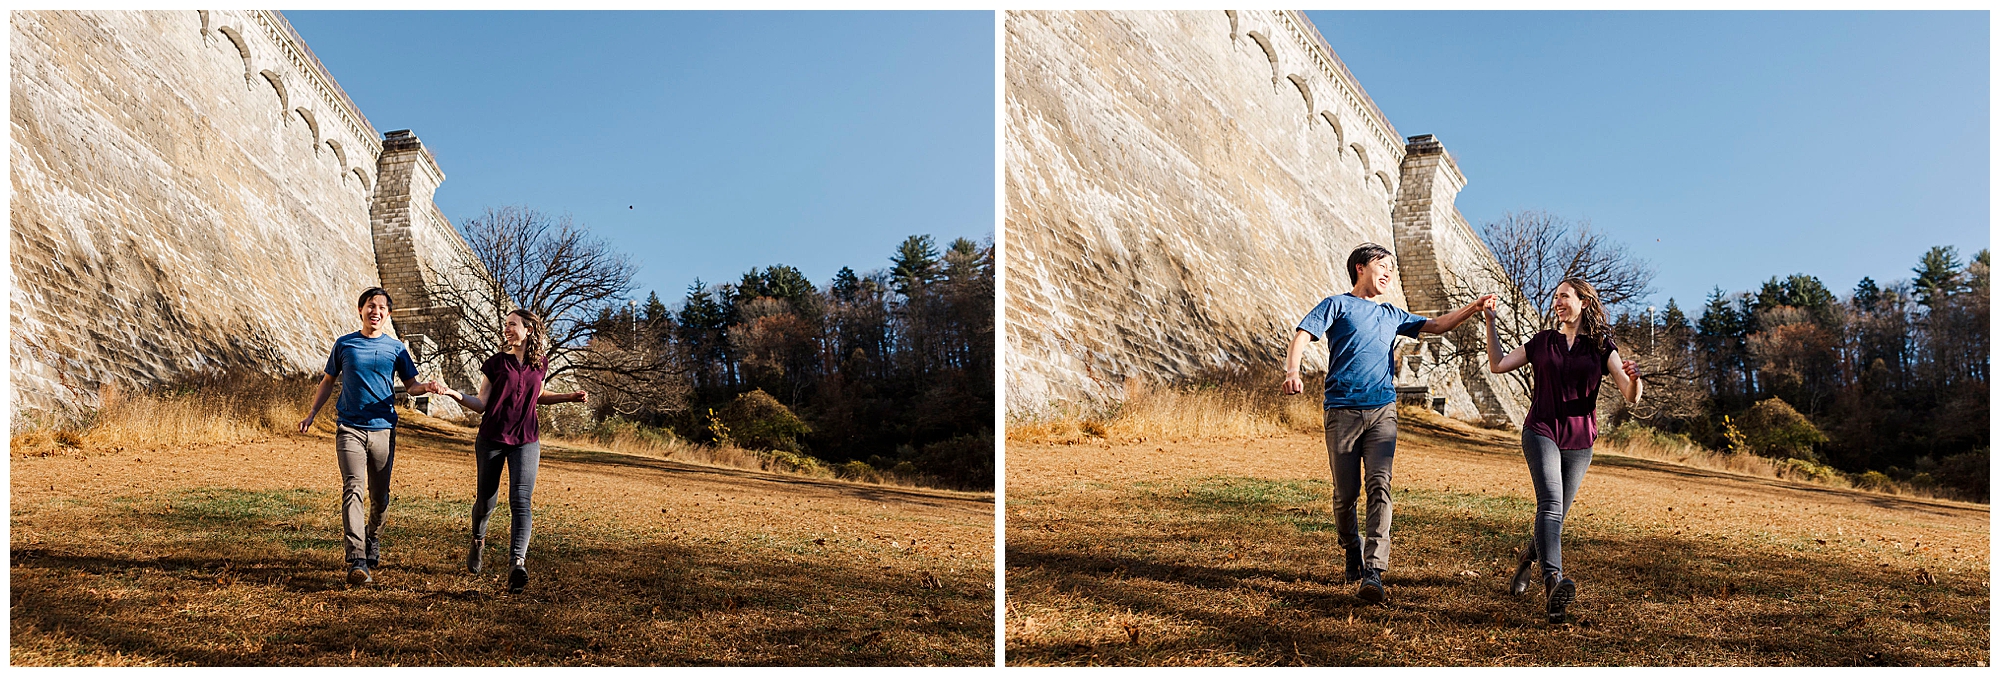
(1566, 380)
(510, 412)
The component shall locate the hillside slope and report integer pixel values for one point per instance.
(1224, 553)
(231, 555)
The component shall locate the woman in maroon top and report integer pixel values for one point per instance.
(509, 435)
(1569, 362)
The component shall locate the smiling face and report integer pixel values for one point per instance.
(514, 331)
(1568, 306)
(1379, 273)
(374, 313)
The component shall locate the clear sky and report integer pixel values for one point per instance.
(1725, 147)
(702, 143)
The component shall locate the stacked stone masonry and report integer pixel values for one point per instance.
(193, 192)
(1181, 187)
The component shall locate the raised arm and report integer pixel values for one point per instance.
(1626, 375)
(1295, 384)
(319, 400)
(1451, 320)
(1494, 361)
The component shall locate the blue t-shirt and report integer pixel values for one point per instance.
(367, 368)
(1359, 333)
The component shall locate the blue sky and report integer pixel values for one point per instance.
(702, 143)
(1725, 147)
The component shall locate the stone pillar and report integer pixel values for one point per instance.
(407, 177)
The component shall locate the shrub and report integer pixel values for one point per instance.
(1801, 469)
(757, 420)
(1967, 473)
(1773, 428)
(1874, 481)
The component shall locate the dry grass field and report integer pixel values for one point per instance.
(129, 553)
(1222, 552)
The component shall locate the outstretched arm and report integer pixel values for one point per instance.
(1451, 320)
(559, 398)
(1295, 384)
(1626, 375)
(319, 400)
(478, 403)
(1494, 361)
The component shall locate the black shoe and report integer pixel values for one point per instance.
(1561, 594)
(476, 559)
(357, 573)
(1371, 587)
(1354, 568)
(518, 578)
(1519, 586)
(374, 552)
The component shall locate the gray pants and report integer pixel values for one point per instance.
(1362, 442)
(522, 461)
(366, 459)
(1556, 473)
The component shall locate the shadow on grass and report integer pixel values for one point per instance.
(1246, 571)
(230, 577)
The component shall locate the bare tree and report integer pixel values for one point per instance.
(554, 268)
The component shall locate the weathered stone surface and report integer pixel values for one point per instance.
(1182, 187)
(191, 191)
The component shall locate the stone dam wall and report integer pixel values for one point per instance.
(1181, 187)
(193, 192)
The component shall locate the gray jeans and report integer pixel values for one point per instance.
(1362, 442)
(522, 460)
(1556, 473)
(366, 459)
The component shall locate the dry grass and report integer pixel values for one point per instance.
(218, 543)
(1217, 405)
(1222, 553)
(1639, 442)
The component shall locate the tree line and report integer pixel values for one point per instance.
(1889, 377)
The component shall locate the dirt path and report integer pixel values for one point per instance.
(231, 555)
(1223, 553)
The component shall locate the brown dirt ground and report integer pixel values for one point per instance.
(231, 555)
(1223, 553)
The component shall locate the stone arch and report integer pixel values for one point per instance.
(278, 84)
(312, 123)
(339, 154)
(1360, 153)
(1299, 81)
(363, 176)
(243, 50)
(1270, 53)
(204, 22)
(1232, 23)
(1387, 184)
(1339, 135)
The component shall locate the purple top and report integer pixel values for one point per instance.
(1566, 380)
(510, 411)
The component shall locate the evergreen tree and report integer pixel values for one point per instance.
(1939, 275)
(1867, 295)
(915, 264)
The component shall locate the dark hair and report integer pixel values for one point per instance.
(531, 349)
(375, 291)
(1590, 321)
(1363, 255)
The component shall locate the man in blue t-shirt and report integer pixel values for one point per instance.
(1361, 400)
(366, 364)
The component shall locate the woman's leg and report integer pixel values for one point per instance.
(489, 457)
(1574, 463)
(1545, 470)
(522, 463)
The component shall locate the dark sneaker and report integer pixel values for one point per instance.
(1561, 594)
(375, 552)
(357, 573)
(475, 559)
(1371, 587)
(1354, 568)
(518, 578)
(1522, 577)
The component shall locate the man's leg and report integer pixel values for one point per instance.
(350, 448)
(1377, 450)
(1342, 427)
(381, 461)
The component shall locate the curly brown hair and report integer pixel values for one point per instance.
(1590, 322)
(532, 349)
